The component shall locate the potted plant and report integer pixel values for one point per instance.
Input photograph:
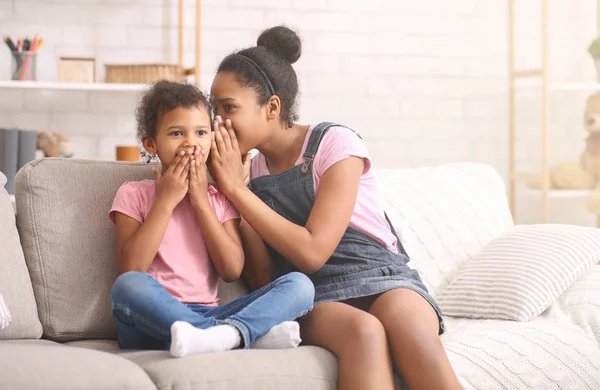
(594, 51)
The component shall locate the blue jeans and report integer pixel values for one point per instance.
(144, 311)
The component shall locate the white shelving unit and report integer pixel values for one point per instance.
(559, 194)
(55, 85)
(120, 87)
(547, 88)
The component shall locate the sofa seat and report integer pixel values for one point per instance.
(42, 364)
(301, 368)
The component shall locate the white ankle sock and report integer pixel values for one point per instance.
(284, 335)
(187, 340)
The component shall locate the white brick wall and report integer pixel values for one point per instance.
(424, 81)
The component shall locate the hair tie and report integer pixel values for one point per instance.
(250, 60)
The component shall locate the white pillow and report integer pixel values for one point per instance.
(521, 273)
(4, 314)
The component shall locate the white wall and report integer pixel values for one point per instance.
(424, 81)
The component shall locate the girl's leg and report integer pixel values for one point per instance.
(358, 340)
(144, 312)
(412, 329)
(284, 299)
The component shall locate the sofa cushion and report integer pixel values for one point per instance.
(580, 304)
(113, 347)
(68, 240)
(98, 345)
(522, 272)
(299, 368)
(444, 215)
(41, 364)
(15, 285)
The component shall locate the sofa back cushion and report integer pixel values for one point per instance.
(444, 215)
(15, 285)
(68, 240)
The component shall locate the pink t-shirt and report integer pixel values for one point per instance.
(182, 264)
(336, 145)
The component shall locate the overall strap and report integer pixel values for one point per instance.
(315, 139)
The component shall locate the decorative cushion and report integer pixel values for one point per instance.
(522, 272)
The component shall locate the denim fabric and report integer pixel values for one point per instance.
(360, 265)
(144, 311)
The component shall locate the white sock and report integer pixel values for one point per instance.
(284, 335)
(187, 340)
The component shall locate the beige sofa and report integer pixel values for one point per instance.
(57, 267)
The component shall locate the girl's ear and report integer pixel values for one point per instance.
(273, 107)
(149, 144)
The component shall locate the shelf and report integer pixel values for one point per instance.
(559, 194)
(526, 177)
(562, 86)
(575, 86)
(51, 85)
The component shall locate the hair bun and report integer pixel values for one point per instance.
(282, 41)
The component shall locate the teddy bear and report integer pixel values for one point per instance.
(585, 174)
(54, 144)
(590, 159)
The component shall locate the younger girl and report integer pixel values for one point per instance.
(312, 206)
(177, 234)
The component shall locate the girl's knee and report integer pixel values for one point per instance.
(302, 286)
(366, 331)
(128, 284)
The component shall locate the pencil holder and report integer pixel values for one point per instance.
(24, 65)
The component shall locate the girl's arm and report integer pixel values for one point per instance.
(223, 241)
(307, 247)
(137, 244)
(259, 269)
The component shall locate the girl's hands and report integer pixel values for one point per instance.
(226, 160)
(198, 183)
(172, 185)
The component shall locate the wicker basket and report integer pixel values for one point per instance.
(145, 73)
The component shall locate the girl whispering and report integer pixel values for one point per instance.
(312, 207)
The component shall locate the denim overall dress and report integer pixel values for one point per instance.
(360, 265)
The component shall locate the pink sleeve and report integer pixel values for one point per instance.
(128, 201)
(229, 210)
(338, 144)
(258, 167)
